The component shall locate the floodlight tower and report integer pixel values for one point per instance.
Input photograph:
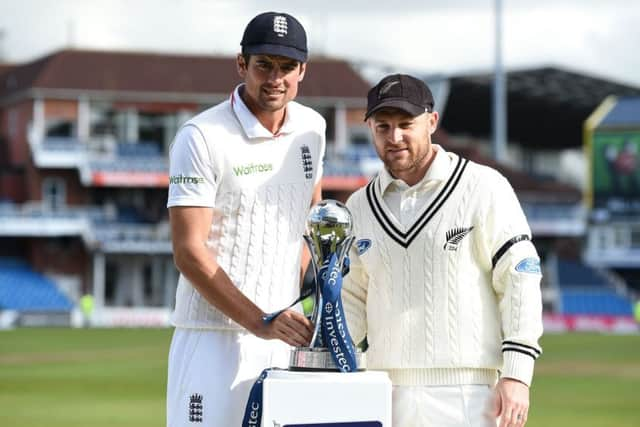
(499, 96)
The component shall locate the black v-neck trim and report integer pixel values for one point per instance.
(404, 239)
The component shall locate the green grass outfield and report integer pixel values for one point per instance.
(117, 377)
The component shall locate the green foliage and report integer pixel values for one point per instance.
(117, 377)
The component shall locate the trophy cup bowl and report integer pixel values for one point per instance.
(329, 230)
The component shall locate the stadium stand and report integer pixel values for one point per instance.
(64, 144)
(130, 164)
(23, 289)
(139, 149)
(624, 113)
(585, 290)
(94, 168)
(577, 274)
(595, 302)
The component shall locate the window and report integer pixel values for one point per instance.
(359, 134)
(330, 119)
(53, 193)
(621, 237)
(59, 128)
(154, 129)
(13, 123)
(635, 237)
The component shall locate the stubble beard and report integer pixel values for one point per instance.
(412, 166)
(273, 105)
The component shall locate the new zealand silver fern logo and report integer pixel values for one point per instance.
(454, 236)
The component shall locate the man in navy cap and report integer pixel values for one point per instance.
(242, 177)
(444, 280)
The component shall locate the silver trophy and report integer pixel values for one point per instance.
(329, 230)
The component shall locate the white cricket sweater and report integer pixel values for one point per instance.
(454, 298)
(260, 187)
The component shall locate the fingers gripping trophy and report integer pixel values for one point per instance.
(329, 236)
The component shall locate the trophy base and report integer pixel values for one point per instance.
(319, 359)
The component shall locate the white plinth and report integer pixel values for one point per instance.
(301, 398)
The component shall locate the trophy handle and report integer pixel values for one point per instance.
(314, 251)
(343, 250)
(317, 295)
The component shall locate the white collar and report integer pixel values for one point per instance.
(250, 123)
(438, 171)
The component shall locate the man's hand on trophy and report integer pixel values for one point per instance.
(291, 327)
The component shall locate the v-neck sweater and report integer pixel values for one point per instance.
(454, 296)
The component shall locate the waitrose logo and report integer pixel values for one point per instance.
(181, 179)
(252, 168)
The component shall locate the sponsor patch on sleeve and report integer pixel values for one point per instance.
(529, 265)
(363, 245)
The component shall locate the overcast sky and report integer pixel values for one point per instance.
(595, 37)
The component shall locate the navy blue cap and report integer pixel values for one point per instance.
(274, 33)
(400, 91)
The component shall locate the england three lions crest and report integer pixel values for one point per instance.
(307, 162)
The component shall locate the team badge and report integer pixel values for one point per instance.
(280, 25)
(307, 163)
(363, 245)
(195, 408)
(387, 87)
(454, 236)
(529, 265)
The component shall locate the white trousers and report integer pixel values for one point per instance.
(442, 406)
(211, 373)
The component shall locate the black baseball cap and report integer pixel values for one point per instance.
(274, 33)
(400, 91)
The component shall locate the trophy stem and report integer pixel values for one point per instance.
(328, 236)
(319, 359)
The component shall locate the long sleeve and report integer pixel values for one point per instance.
(516, 280)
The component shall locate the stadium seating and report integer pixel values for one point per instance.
(23, 289)
(356, 153)
(130, 164)
(139, 149)
(603, 302)
(351, 161)
(585, 290)
(55, 143)
(575, 273)
(339, 168)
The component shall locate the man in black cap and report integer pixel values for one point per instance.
(242, 177)
(444, 281)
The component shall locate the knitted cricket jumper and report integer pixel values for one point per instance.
(453, 298)
(260, 188)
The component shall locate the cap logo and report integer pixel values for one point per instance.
(280, 25)
(387, 87)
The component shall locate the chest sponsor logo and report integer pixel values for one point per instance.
(182, 179)
(307, 162)
(529, 265)
(454, 236)
(252, 168)
(363, 245)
